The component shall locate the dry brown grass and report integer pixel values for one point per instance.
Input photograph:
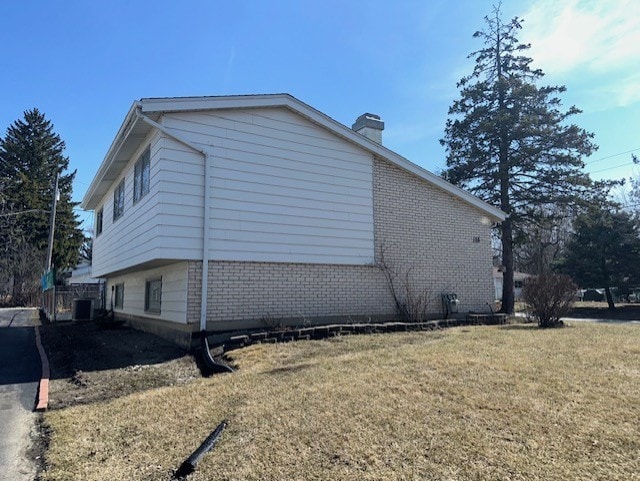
(482, 403)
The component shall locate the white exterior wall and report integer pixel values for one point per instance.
(181, 201)
(282, 189)
(133, 238)
(292, 224)
(166, 224)
(174, 292)
(437, 242)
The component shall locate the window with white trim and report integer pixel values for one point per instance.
(141, 175)
(118, 201)
(153, 295)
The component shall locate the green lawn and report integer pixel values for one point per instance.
(475, 403)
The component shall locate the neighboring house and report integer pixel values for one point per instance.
(81, 274)
(518, 282)
(289, 211)
(596, 295)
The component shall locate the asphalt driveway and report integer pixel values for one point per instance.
(20, 368)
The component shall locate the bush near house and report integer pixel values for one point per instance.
(549, 297)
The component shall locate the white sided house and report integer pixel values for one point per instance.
(290, 212)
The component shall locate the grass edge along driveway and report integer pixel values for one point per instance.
(502, 402)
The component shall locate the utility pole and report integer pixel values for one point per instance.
(52, 223)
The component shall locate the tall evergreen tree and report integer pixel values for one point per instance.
(31, 155)
(508, 140)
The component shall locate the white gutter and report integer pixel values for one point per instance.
(207, 208)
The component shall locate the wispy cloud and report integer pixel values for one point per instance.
(228, 71)
(593, 35)
(618, 91)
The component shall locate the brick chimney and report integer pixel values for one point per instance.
(370, 126)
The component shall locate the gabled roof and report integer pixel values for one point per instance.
(134, 130)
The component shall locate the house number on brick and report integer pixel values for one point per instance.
(476, 240)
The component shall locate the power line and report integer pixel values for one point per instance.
(23, 212)
(611, 168)
(611, 156)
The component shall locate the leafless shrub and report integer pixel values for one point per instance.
(272, 323)
(411, 302)
(549, 297)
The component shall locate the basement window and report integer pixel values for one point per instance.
(141, 176)
(118, 201)
(153, 295)
(118, 301)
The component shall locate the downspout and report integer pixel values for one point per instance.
(207, 206)
(209, 362)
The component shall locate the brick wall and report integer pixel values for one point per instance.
(426, 234)
(194, 282)
(441, 241)
(252, 290)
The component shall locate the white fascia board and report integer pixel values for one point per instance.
(183, 104)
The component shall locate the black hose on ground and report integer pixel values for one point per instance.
(189, 465)
(207, 359)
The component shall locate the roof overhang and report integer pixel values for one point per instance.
(133, 131)
(131, 134)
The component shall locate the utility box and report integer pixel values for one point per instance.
(82, 309)
(450, 304)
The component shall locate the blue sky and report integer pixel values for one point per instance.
(83, 63)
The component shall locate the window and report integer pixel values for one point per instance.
(518, 284)
(153, 295)
(118, 301)
(141, 176)
(118, 201)
(99, 216)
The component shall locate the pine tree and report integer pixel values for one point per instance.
(508, 141)
(31, 155)
(604, 250)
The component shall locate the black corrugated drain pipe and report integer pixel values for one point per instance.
(207, 359)
(189, 465)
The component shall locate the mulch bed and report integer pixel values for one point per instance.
(90, 363)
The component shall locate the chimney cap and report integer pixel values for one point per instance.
(367, 114)
(368, 120)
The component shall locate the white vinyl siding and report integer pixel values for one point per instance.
(134, 237)
(173, 293)
(282, 189)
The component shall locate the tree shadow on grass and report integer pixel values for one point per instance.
(531, 326)
(624, 312)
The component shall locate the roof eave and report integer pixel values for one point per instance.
(182, 104)
(89, 201)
